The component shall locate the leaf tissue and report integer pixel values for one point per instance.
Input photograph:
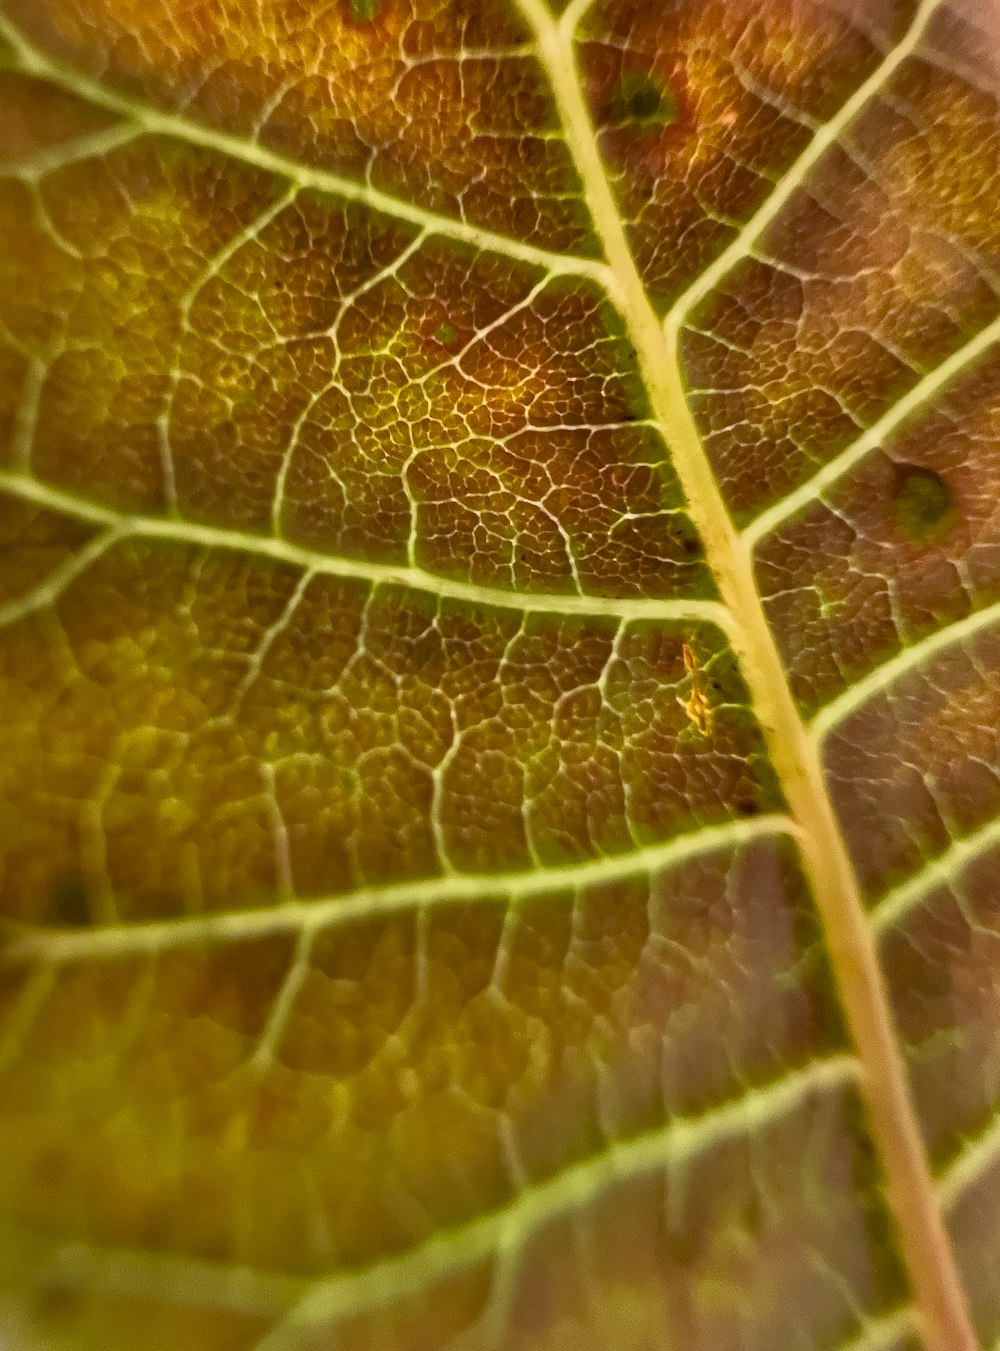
(500, 675)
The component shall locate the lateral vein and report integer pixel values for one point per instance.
(908, 659)
(916, 398)
(178, 127)
(170, 528)
(944, 870)
(742, 245)
(62, 946)
(980, 1155)
(572, 1189)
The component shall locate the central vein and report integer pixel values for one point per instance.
(923, 1239)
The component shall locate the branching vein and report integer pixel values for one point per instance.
(744, 243)
(573, 1189)
(911, 658)
(298, 916)
(192, 533)
(157, 123)
(918, 397)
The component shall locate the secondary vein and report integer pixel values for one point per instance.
(154, 121)
(126, 525)
(296, 916)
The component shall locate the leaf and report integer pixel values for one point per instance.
(500, 774)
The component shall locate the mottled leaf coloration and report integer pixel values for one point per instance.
(500, 675)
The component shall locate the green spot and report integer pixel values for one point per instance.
(445, 333)
(365, 10)
(923, 503)
(642, 101)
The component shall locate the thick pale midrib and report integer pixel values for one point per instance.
(908, 660)
(58, 946)
(922, 1235)
(177, 531)
(915, 399)
(500, 1234)
(177, 127)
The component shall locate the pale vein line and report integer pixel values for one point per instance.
(178, 127)
(26, 416)
(214, 267)
(910, 659)
(69, 152)
(326, 912)
(49, 590)
(575, 1188)
(192, 1283)
(945, 870)
(911, 402)
(26, 1007)
(884, 1334)
(925, 1245)
(177, 531)
(742, 246)
(255, 663)
(977, 1159)
(176, 1280)
(281, 1010)
(390, 270)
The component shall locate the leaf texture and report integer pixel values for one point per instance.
(499, 651)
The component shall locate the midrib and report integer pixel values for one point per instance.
(926, 1249)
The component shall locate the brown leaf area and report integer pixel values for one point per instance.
(405, 939)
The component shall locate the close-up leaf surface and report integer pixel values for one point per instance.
(500, 675)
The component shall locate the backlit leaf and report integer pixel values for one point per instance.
(500, 675)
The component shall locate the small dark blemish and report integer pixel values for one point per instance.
(70, 904)
(445, 333)
(686, 538)
(923, 502)
(642, 101)
(56, 1302)
(746, 806)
